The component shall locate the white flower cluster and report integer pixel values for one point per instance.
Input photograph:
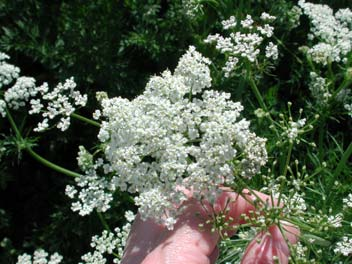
(319, 89)
(95, 191)
(294, 204)
(61, 101)
(8, 72)
(175, 136)
(109, 243)
(331, 33)
(39, 257)
(347, 202)
(295, 128)
(2, 108)
(294, 15)
(192, 7)
(20, 92)
(344, 246)
(348, 107)
(245, 43)
(335, 220)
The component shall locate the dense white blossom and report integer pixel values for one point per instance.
(59, 103)
(294, 128)
(344, 246)
(271, 51)
(109, 243)
(2, 108)
(20, 92)
(344, 16)
(176, 134)
(294, 15)
(247, 22)
(95, 192)
(229, 23)
(267, 17)
(294, 204)
(40, 256)
(192, 7)
(331, 34)
(335, 220)
(230, 66)
(193, 68)
(347, 202)
(8, 72)
(247, 43)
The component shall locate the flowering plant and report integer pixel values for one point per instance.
(174, 136)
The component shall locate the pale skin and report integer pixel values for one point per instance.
(151, 243)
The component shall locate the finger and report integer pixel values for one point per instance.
(259, 250)
(266, 246)
(291, 232)
(281, 236)
(271, 245)
(142, 239)
(187, 243)
(214, 255)
(242, 204)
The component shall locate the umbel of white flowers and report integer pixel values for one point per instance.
(58, 103)
(331, 33)
(246, 41)
(174, 136)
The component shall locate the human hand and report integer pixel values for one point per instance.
(151, 243)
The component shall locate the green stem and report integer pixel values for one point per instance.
(36, 155)
(103, 221)
(285, 168)
(342, 86)
(257, 93)
(50, 164)
(343, 160)
(259, 97)
(331, 75)
(287, 49)
(86, 120)
(321, 138)
(288, 157)
(13, 125)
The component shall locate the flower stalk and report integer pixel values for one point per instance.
(35, 155)
(85, 120)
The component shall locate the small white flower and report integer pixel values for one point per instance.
(344, 246)
(39, 257)
(335, 220)
(248, 22)
(230, 23)
(2, 108)
(267, 17)
(245, 43)
(271, 51)
(333, 32)
(347, 202)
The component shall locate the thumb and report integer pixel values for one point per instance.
(187, 243)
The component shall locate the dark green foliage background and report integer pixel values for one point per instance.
(112, 46)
